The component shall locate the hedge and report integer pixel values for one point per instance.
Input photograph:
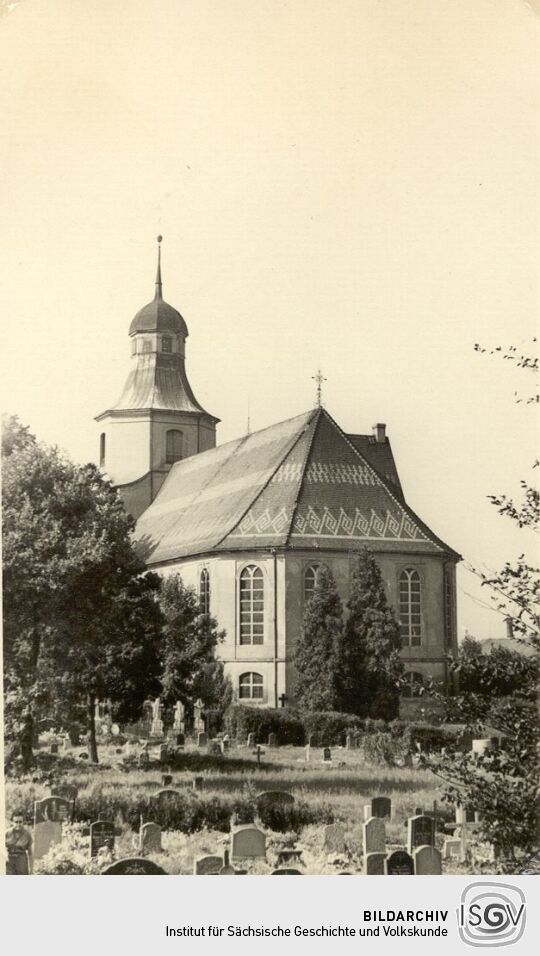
(262, 721)
(329, 728)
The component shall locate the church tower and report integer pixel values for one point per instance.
(157, 420)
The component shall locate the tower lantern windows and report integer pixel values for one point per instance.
(174, 441)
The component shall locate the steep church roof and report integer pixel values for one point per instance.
(300, 484)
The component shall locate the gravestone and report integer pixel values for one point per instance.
(418, 812)
(178, 721)
(381, 807)
(248, 842)
(286, 872)
(327, 755)
(54, 747)
(54, 808)
(348, 742)
(47, 833)
(334, 839)
(198, 719)
(166, 779)
(133, 866)
(427, 861)
(202, 739)
(198, 783)
(373, 836)
(420, 832)
(374, 864)
(250, 740)
(180, 740)
(288, 855)
(272, 740)
(214, 748)
(163, 753)
(165, 797)
(150, 838)
(483, 745)
(225, 744)
(307, 752)
(274, 798)
(399, 863)
(454, 849)
(101, 835)
(312, 740)
(19, 849)
(208, 866)
(156, 729)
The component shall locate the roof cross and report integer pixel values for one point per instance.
(319, 378)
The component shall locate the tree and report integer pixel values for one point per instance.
(370, 667)
(80, 617)
(503, 784)
(188, 651)
(317, 654)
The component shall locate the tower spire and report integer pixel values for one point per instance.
(158, 273)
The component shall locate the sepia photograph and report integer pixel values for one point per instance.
(269, 444)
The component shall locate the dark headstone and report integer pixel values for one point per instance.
(208, 866)
(54, 809)
(420, 832)
(272, 740)
(399, 863)
(381, 807)
(286, 872)
(166, 779)
(327, 755)
(101, 835)
(180, 740)
(134, 866)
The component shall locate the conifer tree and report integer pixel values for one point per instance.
(317, 653)
(370, 666)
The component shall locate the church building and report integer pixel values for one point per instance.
(248, 523)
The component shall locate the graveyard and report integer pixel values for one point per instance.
(193, 806)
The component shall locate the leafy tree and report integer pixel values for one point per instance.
(370, 666)
(189, 666)
(317, 657)
(503, 784)
(80, 617)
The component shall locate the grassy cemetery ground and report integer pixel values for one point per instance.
(211, 789)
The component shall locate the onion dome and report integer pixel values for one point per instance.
(158, 315)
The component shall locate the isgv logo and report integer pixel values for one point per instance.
(491, 914)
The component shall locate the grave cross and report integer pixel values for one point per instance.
(283, 699)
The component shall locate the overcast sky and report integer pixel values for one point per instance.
(348, 183)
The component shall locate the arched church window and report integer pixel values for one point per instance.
(166, 343)
(413, 684)
(102, 440)
(204, 591)
(174, 442)
(251, 687)
(251, 605)
(410, 608)
(310, 580)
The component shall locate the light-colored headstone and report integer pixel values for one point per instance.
(334, 839)
(272, 740)
(248, 843)
(483, 745)
(250, 740)
(373, 836)
(427, 861)
(374, 864)
(46, 835)
(150, 838)
(307, 751)
(208, 866)
(420, 832)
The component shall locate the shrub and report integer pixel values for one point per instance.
(330, 727)
(389, 746)
(262, 721)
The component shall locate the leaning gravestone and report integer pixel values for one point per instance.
(334, 839)
(150, 838)
(133, 866)
(248, 843)
(420, 832)
(381, 807)
(208, 866)
(399, 863)
(374, 864)
(427, 861)
(101, 835)
(373, 836)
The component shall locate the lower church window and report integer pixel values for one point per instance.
(250, 687)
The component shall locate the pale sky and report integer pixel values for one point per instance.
(348, 183)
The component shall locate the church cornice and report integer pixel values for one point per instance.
(156, 414)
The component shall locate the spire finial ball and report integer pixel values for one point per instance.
(159, 238)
